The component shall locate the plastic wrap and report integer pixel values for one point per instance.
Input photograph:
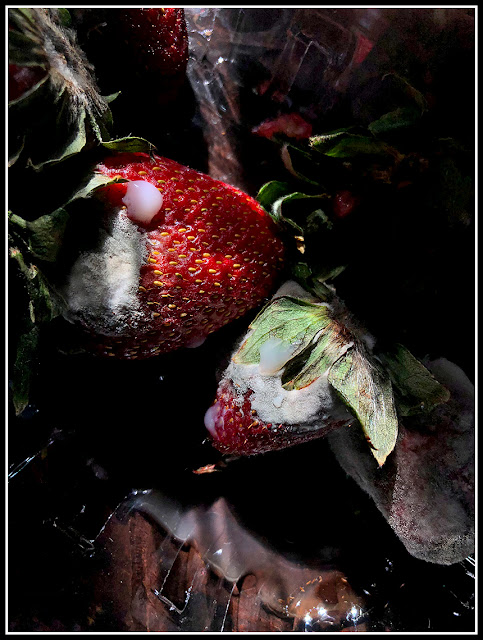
(127, 537)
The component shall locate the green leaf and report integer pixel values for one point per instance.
(367, 390)
(407, 89)
(328, 272)
(271, 192)
(400, 118)
(111, 97)
(17, 148)
(328, 346)
(280, 209)
(292, 321)
(129, 144)
(77, 136)
(318, 221)
(302, 164)
(24, 367)
(325, 141)
(91, 183)
(301, 271)
(64, 17)
(44, 305)
(416, 388)
(353, 146)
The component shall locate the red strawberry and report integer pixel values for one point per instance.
(150, 45)
(22, 79)
(291, 125)
(235, 427)
(257, 409)
(180, 256)
(306, 368)
(156, 39)
(344, 203)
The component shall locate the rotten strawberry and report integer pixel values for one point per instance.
(306, 368)
(178, 256)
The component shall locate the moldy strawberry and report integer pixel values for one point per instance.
(178, 256)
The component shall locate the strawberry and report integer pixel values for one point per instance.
(179, 256)
(256, 408)
(427, 493)
(163, 35)
(22, 79)
(291, 125)
(307, 368)
(151, 50)
(236, 428)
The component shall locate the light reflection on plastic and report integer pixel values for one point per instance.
(354, 614)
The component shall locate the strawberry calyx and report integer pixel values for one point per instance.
(53, 88)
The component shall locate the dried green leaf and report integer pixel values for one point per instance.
(367, 390)
(111, 97)
(16, 147)
(46, 234)
(416, 388)
(292, 321)
(352, 146)
(75, 140)
(327, 347)
(129, 144)
(24, 367)
(325, 141)
(91, 183)
(400, 118)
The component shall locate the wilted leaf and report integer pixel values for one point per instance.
(91, 184)
(400, 118)
(417, 389)
(46, 234)
(43, 306)
(407, 89)
(353, 146)
(73, 141)
(23, 368)
(292, 321)
(328, 346)
(325, 141)
(367, 390)
(129, 144)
